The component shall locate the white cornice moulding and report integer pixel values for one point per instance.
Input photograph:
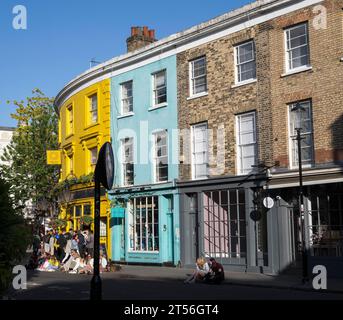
(203, 33)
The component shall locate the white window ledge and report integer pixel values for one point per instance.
(243, 83)
(129, 114)
(198, 95)
(295, 71)
(158, 106)
(342, 59)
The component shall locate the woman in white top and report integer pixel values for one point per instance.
(75, 264)
(202, 269)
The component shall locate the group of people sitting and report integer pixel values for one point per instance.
(64, 251)
(207, 272)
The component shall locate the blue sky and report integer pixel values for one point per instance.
(62, 37)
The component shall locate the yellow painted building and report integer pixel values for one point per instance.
(84, 126)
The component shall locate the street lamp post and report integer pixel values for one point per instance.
(298, 108)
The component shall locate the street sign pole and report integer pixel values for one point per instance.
(104, 174)
(96, 287)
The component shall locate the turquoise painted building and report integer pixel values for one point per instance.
(145, 204)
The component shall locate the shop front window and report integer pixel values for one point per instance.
(224, 223)
(326, 224)
(143, 224)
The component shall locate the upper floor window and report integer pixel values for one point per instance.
(127, 161)
(198, 77)
(199, 151)
(246, 142)
(126, 97)
(161, 156)
(93, 157)
(245, 62)
(160, 87)
(70, 120)
(93, 108)
(70, 164)
(297, 47)
(300, 116)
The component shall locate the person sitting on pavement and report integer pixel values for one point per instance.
(103, 262)
(69, 264)
(75, 263)
(202, 269)
(216, 274)
(88, 269)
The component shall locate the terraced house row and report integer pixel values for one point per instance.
(202, 125)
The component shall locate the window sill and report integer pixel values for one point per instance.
(198, 95)
(69, 136)
(243, 83)
(161, 182)
(142, 251)
(295, 71)
(304, 166)
(130, 114)
(91, 125)
(158, 106)
(129, 186)
(198, 179)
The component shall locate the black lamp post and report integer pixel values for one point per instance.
(104, 174)
(298, 109)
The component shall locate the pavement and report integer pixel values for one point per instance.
(151, 284)
(293, 282)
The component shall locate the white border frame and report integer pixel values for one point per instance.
(192, 150)
(238, 167)
(235, 47)
(154, 133)
(287, 66)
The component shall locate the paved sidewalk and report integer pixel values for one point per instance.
(237, 278)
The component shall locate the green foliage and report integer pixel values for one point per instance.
(58, 223)
(14, 237)
(86, 220)
(27, 173)
(118, 202)
(71, 181)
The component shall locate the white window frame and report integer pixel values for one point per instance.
(239, 146)
(287, 51)
(92, 110)
(122, 86)
(237, 64)
(91, 157)
(193, 166)
(154, 89)
(191, 77)
(123, 162)
(291, 136)
(70, 164)
(155, 159)
(132, 224)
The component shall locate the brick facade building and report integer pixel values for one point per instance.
(250, 83)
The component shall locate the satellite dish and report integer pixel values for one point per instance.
(104, 170)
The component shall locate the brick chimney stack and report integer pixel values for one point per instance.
(140, 37)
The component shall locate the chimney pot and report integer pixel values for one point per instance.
(145, 31)
(152, 34)
(140, 37)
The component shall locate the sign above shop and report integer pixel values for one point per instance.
(268, 202)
